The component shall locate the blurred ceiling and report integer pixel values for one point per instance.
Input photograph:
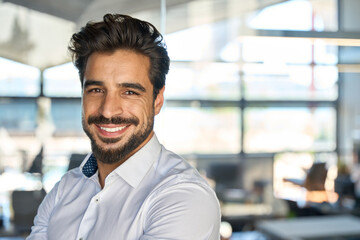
(80, 9)
(66, 9)
(37, 32)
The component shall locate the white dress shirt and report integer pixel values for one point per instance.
(155, 194)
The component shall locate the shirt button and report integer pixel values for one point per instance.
(97, 200)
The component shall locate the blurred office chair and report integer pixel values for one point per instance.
(37, 163)
(75, 160)
(315, 178)
(25, 205)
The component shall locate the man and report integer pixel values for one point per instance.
(130, 186)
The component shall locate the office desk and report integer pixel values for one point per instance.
(324, 227)
(245, 210)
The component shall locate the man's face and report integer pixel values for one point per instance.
(118, 106)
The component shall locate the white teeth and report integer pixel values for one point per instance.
(112, 129)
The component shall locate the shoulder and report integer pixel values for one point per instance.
(176, 174)
(182, 194)
(170, 165)
(192, 197)
(68, 181)
(184, 210)
(75, 174)
(72, 175)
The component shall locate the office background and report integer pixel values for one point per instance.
(262, 97)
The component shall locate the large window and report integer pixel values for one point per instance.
(276, 98)
(18, 80)
(62, 85)
(62, 81)
(18, 115)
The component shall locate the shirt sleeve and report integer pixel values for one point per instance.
(184, 211)
(39, 230)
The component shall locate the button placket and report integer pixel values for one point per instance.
(96, 198)
(89, 217)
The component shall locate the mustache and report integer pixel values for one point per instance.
(100, 119)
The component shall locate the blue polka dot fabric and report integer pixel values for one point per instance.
(90, 166)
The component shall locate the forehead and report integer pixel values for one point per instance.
(119, 66)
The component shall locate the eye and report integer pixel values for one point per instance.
(95, 90)
(129, 92)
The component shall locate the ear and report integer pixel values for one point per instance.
(159, 101)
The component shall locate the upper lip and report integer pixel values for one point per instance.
(111, 125)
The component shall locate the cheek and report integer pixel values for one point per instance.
(141, 111)
(89, 108)
(86, 112)
(148, 108)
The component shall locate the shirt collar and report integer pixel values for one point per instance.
(134, 169)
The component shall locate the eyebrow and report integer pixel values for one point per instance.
(133, 86)
(137, 86)
(92, 82)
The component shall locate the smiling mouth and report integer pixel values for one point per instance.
(112, 130)
(108, 131)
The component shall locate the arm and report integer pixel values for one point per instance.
(39, 230)
(184, 211)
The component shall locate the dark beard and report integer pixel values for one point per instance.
(111, 156)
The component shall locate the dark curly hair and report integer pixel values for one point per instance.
(118, 31)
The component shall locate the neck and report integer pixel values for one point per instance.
(105, 169)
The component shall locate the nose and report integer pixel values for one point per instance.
(111, 106)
